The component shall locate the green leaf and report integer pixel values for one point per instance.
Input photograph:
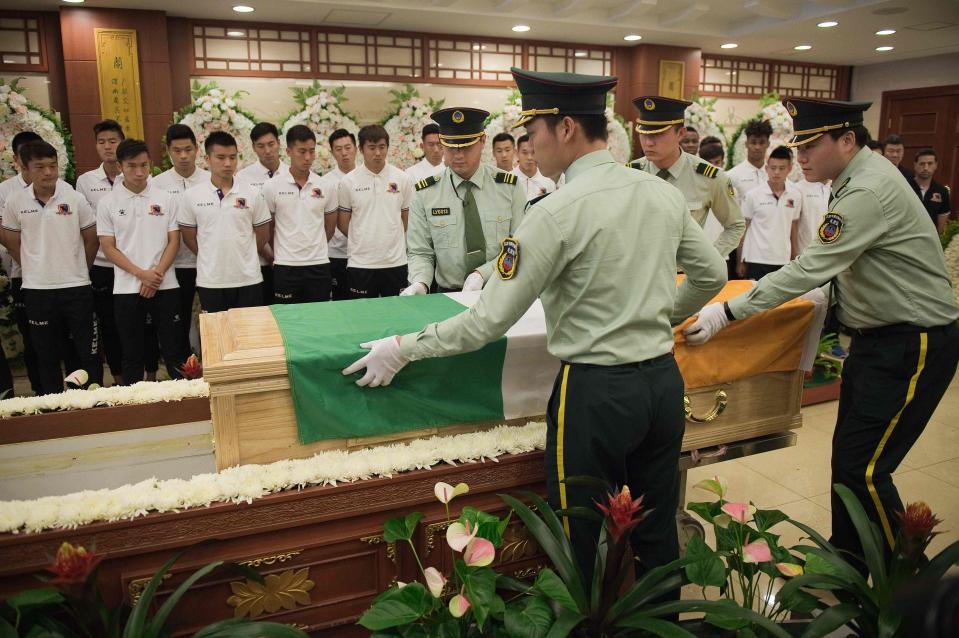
(6, 629)
(639, 592)
(443, 625)
(553, 587)
(136, 624)
(727, 608)
(531, 618)
(400, 606)
(508, 583)
(765, 519)
(869, 535)
(156, 625)
(705, 510)
(480, 584)
(889, 622)
(831, 619)
(565, 623)
(704, 567)
(35, 597)
(401, 528)
(585, 513)
(659, 627)
(937, 567)
(243, 628)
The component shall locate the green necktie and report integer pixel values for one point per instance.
(475, 241)
(663, 174)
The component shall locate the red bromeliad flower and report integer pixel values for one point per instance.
(916, 524)
(621, 514)
(192, 368)
(72, 565)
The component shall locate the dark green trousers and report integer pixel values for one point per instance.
(623, 424)
(892, 382)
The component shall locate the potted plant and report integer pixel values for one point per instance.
(822, 384)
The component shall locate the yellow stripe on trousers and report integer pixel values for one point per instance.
(560, 424)
(910, 393)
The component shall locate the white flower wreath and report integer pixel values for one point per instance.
(405, 125)
(211, 110)
(701, 116)
(18, 114)
(321, 109)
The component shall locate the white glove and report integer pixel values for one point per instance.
(382, 362)
(473, 282)
(712, 318)
(416, 288)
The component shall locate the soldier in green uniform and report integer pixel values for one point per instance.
(601, 253)
(892, 291)
(704, 186)
(459, 217)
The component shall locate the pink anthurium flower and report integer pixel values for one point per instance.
(458, 536)
(435, 581)
(722, 520)
(717, 485)
(446, 492)
(757, 552)
(739, 512)
(479, 553)
(459, 605)
(790, 570)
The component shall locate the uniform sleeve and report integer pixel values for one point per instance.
(517, 210)
(10, 215)
(726, 209)
(86, 215)
(705, 271)
(862, 224)
(104, 219)
(540, 260)
(261, 212)
(343, 200)
(186, 216)
(419, 244)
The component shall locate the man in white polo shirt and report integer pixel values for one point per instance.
(751, 172)
(219, 225)
(51, 231)
(138, 231)
(772, 212)
(815, 202)
(182, 148)
(303, 207)
(343, 149)
(374, 203)
(432, 162)
(527, 171)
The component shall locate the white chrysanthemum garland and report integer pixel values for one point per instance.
(212, 109)
(246, 483)
(701, 116)
(772, 111)
(405, 123)
(321, 109)
(18, 114)
(136, 394)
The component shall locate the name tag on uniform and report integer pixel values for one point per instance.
(440, 212)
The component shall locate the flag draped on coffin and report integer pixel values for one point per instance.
(509, 378)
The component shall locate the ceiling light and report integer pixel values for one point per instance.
(827, 24)
(74, 1)
(728, 45)
(632, 37)
(235, 34)
(242, 8)
(885, 31)
(521, 28)
(476, 47)
(885, 48)
(802, 47)
(580, 54)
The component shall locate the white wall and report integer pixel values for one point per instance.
(35, 86)
(869, 81)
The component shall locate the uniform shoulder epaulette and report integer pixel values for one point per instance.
(426, 183)
(638, 164)
(502, 177)
(707, 169)
(535, 199)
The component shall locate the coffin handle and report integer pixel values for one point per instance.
(722, 399)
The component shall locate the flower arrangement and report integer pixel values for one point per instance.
(322, 110)
(952, 259)
(701, 116)
(18, 114)
(212, 109)
(404, 124)
(772, 111)
(78, 399)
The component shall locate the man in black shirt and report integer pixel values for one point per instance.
(934, 196)
(894, 150)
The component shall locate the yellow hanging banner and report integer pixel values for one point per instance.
(118, 70)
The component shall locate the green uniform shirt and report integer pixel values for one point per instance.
(710, 189)
(876, 240)
(436, 239)
(601, 253)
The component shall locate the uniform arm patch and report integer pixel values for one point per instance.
(508, 261)
(504, 178)
(426, 183)
(831, 227)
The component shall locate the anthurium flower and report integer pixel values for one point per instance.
(621, 513)
(458, 536)
(789, 570)
(717, 485)
(446, 492)
(72, 565)
(739, 512)
(722, 520)
(459, 605)
(757, 552)
(479, 553)
(435, 581)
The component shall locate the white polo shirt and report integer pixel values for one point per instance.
(224, 234)
(7, 188)
(815, 201)
(423, 169)
(95, 185)
(375, 202)
(51, 248)
(139, 223)
(336, 249)
(256, 175)
(767, 238)
(536, 185)
(175, 184)
(745, 177)
(299, 233)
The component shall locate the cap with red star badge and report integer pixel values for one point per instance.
(814, 118)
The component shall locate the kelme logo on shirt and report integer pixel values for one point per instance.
(156, 210)
(392, 188)
(316, 193)
(240, 202)
(64, 209)
(440, 212)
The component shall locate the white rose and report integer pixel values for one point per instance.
(207, 106)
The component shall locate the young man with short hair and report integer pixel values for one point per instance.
(219, 225)
(303, 208)
(934, 196)
(527, 172)
(712, 152)
(95, 185)
(689, 142)
(432, 162)
(894, 150)
(504, 151)
(343, 149)
(137, 227)
(751, 172)
(374, 203)
(772, 213)
(50, 230)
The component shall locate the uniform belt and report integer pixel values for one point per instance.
(441, 289)
(896, 329)
(637, 364)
